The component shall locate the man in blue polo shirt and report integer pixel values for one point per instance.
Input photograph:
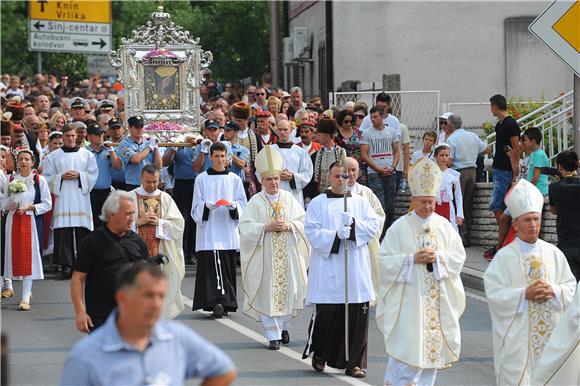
(107, 160)
(115, 135)
(201, 159)
(134, 348)
(137, 152)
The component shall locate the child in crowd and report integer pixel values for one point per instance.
(449, 197)
(429, 139)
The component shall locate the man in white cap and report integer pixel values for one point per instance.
(421, 297)
(529, 286)
(445, 130)
(273, 252)
(558, 364)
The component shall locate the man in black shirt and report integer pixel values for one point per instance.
(564, 203)
(505, 165)
(101, 256)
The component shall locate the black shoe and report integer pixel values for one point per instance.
(285, 337)
(218, 311)
(66, 273)
(274, 345)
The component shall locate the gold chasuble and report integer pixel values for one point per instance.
(146, 205)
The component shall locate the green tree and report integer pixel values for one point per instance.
(236, 33)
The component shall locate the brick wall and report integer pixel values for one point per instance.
(484, 228)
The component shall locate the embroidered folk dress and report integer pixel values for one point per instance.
(23, 256)
(521, 328)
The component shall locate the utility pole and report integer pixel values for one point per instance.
(274, 43)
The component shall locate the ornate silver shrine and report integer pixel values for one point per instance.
(160, 68)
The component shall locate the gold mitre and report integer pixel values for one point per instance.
(524, 197)
(424, 178)
(269, 161)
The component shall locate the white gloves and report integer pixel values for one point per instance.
(233, 205)
(153, 143)
(345, 218)
(211, 206)
(108, 145)
(205, 145)
(343, 232)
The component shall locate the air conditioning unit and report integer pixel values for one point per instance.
(300, 43)
(287, 55)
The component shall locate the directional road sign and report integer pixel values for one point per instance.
(558, 27)
(78, 26)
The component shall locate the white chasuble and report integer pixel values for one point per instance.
(169, 232)
(418, 311)
(374, 244)
(559, 363)
(273, 264)
(326, 270)
(521, 328)
(296, 160)
(72, 200)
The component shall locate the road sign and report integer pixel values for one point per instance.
(70, 26)
(558, 27)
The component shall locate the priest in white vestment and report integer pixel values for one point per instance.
(160, 224)
(421, 296)
(559, 363)
(529, 286)
(218, 202)
(71, 172)
(367, 193)
(297, 170)
(329, 227)
(273, 252)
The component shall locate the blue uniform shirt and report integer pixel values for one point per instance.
(207, 160)
(127, 149)
(182, 164)
(174, 353)
(118, 175)
(242, 153)
(104, 164)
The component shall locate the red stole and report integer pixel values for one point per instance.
(21, 245)
(443, 209)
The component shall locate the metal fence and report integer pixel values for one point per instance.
(416, 109)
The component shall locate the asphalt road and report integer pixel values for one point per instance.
(39, 341)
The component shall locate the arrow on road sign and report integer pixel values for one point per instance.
(42, 2)
(38, 26)
(102, 43)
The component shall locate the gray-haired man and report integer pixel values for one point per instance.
(102, 254)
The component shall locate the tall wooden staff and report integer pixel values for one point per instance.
(346, 324)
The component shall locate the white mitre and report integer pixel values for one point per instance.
(524, 197)
(424, 178)
(269, 161)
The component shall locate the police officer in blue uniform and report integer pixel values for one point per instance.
(137, 152)
(107, 160)
(116, 135)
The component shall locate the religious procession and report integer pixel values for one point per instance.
(174, 225)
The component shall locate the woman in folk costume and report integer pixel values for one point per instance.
(449, 197)
(529, 286)
(27, 198)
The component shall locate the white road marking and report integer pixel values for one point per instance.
(339, 374)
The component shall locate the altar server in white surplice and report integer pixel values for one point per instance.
(219, 200)
(529, 286)
(421, 297)
(273, 252)
(71, 173)
(328, 228)
(559, 363)
(160, 224)
(297, 170)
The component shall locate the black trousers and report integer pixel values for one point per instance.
(119, 185)
(215, 280)
(98, 197)
(66, 244)
(183, 196)
(573, 256)
(129, 187)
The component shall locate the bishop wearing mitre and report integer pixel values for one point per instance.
(273, 252)
(421, 297)
(529, 286)
(160, 223)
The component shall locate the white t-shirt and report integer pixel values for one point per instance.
(380, 144)
(390, 121)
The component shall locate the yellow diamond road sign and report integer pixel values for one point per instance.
(82, 26)
(558, 27)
